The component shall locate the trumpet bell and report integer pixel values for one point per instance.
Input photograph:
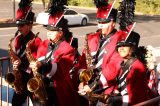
(85, 75)
(32, 85)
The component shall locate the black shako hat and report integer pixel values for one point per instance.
(102, 16)
(24, 14)
(105, 11)
(56, 20)
(56, 15)
(132, 40)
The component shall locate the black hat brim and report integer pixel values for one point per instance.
(121, 44)
(53, 28)
(22, 22)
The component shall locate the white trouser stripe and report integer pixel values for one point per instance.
(99, 63)
(102, 49)
(122, 83)
(18, 51)
(124, 91)
(93, 53)
(101, 52)
(23, 54)
(105, 42)
(123, 74)
(103, 80)
(125, 100)
(53, 70)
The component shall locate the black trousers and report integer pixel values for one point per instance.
(52, 101)
(19, 99)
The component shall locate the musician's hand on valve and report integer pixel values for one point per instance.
(83, 88)
(105, 99)
(16, 64)
(35, 65)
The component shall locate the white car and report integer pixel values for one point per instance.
(72, 16)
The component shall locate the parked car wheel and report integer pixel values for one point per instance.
(84, 22)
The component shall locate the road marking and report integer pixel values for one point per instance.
(6, 35)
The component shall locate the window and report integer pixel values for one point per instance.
(70, 12)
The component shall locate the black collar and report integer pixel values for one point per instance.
(109, 35)
(54, 46)
(128, 63)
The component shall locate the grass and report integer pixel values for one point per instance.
(151, 7)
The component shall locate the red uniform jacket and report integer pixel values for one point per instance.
(136, 87)
(20, 45)
(63, 57)
(110, 55)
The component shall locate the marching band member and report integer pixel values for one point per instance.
(158, 77)
(152, 74)
(24, 21)
(55, 59)
(131, 78)
(102, 46)
(130, 81)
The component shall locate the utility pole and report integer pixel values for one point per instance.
(14, 8)
(44, 5)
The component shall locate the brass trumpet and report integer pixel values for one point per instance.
(14, 78)
(36, 86)
(86, 74)
(36, 83)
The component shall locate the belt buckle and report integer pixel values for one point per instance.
(51, 84)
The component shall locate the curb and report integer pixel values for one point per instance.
(4, 25)
(7, 22)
